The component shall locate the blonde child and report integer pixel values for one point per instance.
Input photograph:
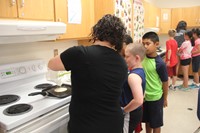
(171, 58)
(133, 90)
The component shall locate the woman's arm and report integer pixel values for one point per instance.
(56, 64)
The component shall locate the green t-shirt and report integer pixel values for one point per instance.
(156, 73)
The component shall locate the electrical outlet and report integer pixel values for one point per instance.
(55, 51)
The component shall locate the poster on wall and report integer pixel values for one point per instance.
(138, 20)
(74, 11)
(123, 10)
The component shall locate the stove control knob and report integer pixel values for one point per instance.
(22, 70)
(33, 68)
(40, 66)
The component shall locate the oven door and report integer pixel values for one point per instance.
(52, 122)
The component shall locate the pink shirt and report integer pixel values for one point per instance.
(195, 48)
(185, 48)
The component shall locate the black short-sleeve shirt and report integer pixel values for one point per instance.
(97, 75)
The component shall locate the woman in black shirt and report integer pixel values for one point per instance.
(97, 74)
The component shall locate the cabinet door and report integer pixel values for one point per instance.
(191, 16)
(165, 20)
(36, 9)
(146, 14)
(107, 7)
(177, 15)
(154, 14)
(8, 9)
(76, 31)
(151, 15)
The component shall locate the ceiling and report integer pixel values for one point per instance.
(174, 3)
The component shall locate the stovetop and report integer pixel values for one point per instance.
(23, 86)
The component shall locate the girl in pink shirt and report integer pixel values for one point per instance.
(196, 56)
(185, 57)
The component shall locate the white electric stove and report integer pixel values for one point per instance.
(42, 113)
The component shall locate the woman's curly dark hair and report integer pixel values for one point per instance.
(182, 25)
(111, 29)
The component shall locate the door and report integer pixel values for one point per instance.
(76, 31)
(165, 20)
(177, 15)
(107, 7)
(191, 16)
(8, 9)
(36, 9)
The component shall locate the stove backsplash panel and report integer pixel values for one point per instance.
(12, 53)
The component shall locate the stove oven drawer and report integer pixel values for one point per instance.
(52, 122)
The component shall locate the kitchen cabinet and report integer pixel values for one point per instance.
(27, 9)
(189, 14)
(165, 20)
(177, 15)
(75, 31)
(151, 15)
(85, 42)
(8, 9)
(121, 8)
(103, 7)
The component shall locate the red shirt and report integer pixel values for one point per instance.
(172, 45)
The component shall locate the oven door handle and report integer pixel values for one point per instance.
(56, 124)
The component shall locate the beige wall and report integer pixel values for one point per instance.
(163, 38)
(174, 3)
(10, 53)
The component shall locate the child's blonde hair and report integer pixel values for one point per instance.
(172, 33)
(137, 49)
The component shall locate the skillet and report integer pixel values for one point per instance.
(55, 91)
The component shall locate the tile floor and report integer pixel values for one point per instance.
(181, 114)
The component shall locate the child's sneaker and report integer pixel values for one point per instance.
(194, 85)
(179, 86)
(184, 89)
(172, 87)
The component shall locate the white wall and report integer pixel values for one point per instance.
(174, 3)
(10, 53)
(163, 39)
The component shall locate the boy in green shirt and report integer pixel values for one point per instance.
(156, 84)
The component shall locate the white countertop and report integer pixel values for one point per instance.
(163, 50)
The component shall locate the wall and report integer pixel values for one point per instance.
(174, 3)
(10, 53)
(163, 39)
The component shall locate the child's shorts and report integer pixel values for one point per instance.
(171, 71)
(153, 113)
(185, 62)
(195, 63)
